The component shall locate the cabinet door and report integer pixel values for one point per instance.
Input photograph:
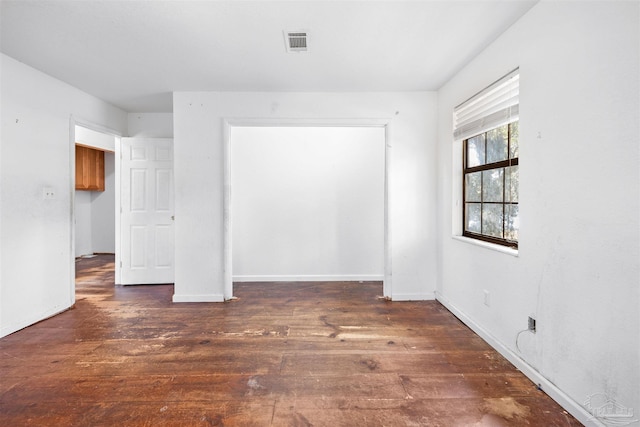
(96, 170)
(89, 169)
(80, 168)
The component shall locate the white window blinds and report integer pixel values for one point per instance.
(494, 106)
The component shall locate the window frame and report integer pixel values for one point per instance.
(502, 164)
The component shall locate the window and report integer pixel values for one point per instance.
(490, 185)
(487, 126)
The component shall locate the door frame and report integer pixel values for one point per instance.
(230, 123)
(73, 122)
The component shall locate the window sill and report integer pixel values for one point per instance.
(492, 246)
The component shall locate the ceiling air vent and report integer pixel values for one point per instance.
(296, 41)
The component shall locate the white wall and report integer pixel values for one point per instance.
(93, 138)
(577, 269)
(103, 210)
(36, 152)
(307, 203)
(199, 142)
(150, 125)
(82, 211)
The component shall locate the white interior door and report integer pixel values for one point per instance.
(146, 220)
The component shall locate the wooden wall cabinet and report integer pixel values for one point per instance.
(89, 169)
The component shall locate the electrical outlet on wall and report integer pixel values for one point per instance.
(487, 300)
(48, 193)
(532, 324)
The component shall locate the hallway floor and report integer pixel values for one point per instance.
(282, 354)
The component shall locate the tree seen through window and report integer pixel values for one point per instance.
(491, 185)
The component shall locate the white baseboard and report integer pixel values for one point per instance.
(198, 298)
(570, 405)
(412, 297)
(310, 278)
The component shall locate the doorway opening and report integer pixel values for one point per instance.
(309, 202)
(95, 194)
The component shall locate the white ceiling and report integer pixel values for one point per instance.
(134, 53)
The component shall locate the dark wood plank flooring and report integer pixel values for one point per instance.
(283, 354)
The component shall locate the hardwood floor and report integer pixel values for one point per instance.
(283, 354)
